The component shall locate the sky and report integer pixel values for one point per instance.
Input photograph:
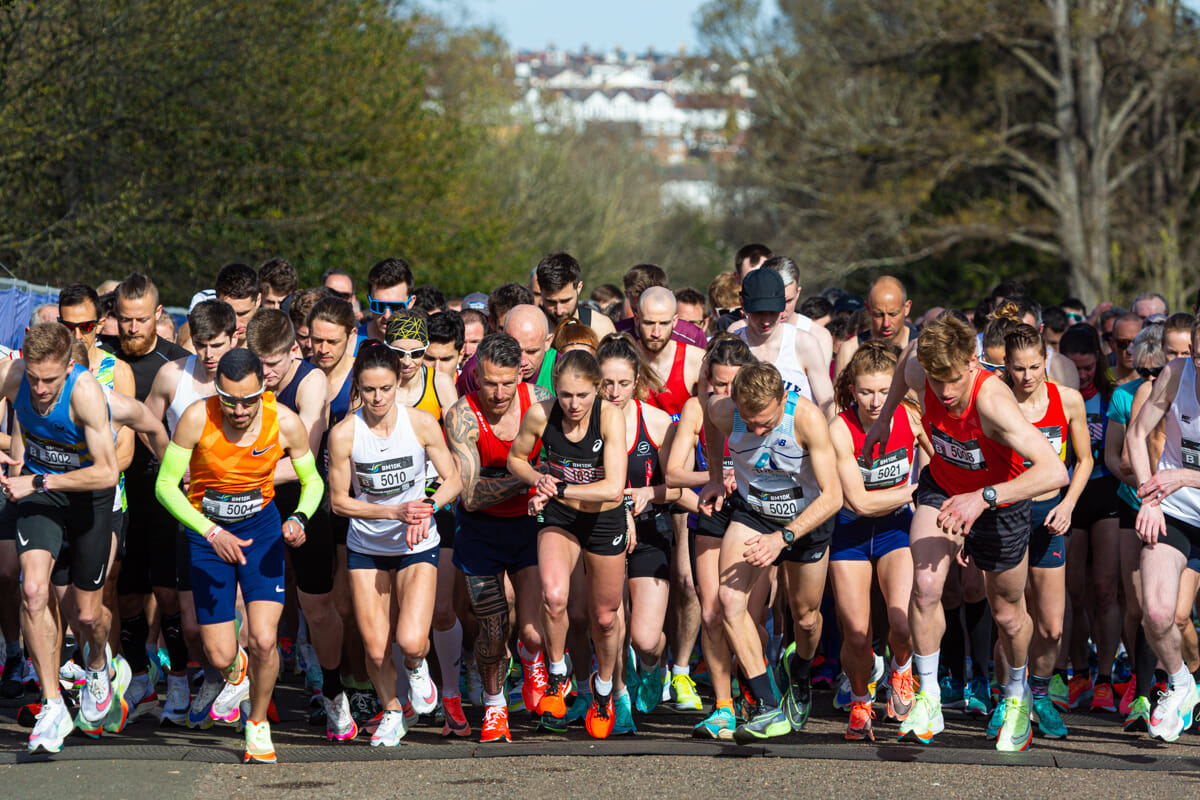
(632, 25)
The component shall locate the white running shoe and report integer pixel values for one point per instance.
(390, 731)
(118, 712)
(52, 727)
(421, 691)
(225, 707)
(96, 696)
(143, 699)
(178, 703)
(198, 715)
(339, 723)
(71, 676)
(1173, 714)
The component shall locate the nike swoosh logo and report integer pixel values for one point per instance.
(21, 540)
(100, 577)
(279, 589)
(256, 452)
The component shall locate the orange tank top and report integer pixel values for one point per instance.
(233, 482)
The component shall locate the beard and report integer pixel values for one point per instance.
(656, 345)
(138, 345)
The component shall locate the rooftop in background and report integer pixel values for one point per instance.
(666, 24)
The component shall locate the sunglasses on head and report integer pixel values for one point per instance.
(382, 307)
(86, 326)
(232, 401)
(1149, 373)
(416, 354)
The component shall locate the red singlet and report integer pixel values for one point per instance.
(675, 391)
(493, 456)
(964, 459)
(894, 465)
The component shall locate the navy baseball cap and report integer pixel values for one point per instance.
(762, 290)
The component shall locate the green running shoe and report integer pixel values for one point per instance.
(720, 724)
(767, 724)
(1059, 694)
(1048, 719)
(924, 721)
(622, 715)
(1016, 733)
(649, 690)
(1139, 715)
(796, 706)
(996, 722)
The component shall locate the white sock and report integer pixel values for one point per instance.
(927, 668)
(558, 667)
(1179, 679)
(493, 699)
(901, 667)
(686, 669)
(866, 698)
(1016, 681)
(603, 688)
(448, 645)
(622, 692)
(526, 656)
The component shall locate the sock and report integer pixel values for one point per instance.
(602, 688)
(1040, 687)
(12, 649)
(801, 669)
(954, 645)
(526, 656)
(172, 632)
(1144, 660)
(331, 682)
(1180, 678)
(900, 668)
(622, 692)
(760, 687)
(979, 633)
(494, 699)
(686, 669)
(134, 631)
(558, 668)
(646, 667)
(927, 667)
(1016, 681)
(448, 645)
(866, 698)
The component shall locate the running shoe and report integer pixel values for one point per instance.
(1079, 690)
(1017, 732)
(287, 656)
(455, 720)
(579, 708)
(900, 694)
(259, 748)
(720, 724)
(225, 708)
(306, 660)
(1102, 698)
(1049, 721)
(153, 667)
(96, 697)
(177, 707)
(924, 721)
(977, 699)
(996, 722)
(474, 688)
(142, 698)
(119, 713)
(769, 723)
(422, 692)
(684, 694)
(27, 714)
(649, 690)
(535, 682)
(878, 671)
(339, 722)
(952, 692)
(633, 679)
(364, 705)
(859, 727)
(1060, 695)
(200, 712)
(824, 672)
(12, 686)
(52, 725)
(71, 676)
(29, 676)
(599, 719)
(1173, 714)
(843, 698)
(495, 725)
(554, 702)
(796, 704)
(1127, 698)
(1138, 718)
(92, 730)
(391, 729)
(411, 717)
(623, 715)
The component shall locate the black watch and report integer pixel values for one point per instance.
(300, 517)
(560, 490)
(788, 538)
(989, 494)
(39, 482)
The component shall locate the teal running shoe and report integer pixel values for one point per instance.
(579, 708)
(720, 724)
(1139, 715)
(1016, 733)
(924, 721)
(769, 723)
(1048, 719)
(633, 679)
(952, 692)
(996, 722)
(977, 698)
(796, 706)
(622, 715)
(649, 690)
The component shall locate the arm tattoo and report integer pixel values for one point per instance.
(540, 392)
(462, 432)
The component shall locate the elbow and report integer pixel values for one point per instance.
(339, 506)
(1061, 476)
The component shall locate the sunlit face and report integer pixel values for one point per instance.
(136, 321)
(410, 362)
(762, 422)
(952, 390)
(1027, 369)
(390, 294)
(533, 349)
(243, 308)
(691, 312)
(888, 313)
(329, 341)
(655, 324)
(472, 337)
(497, 385)
(341, 285)
(79, 317)
(1177, 344)
(240, 400)
(209, 353)
(618, 381)
(870, 393)
(764, 323)
(576, 394)
(1085, 365)
(1123, 334)
(720, 379)
(46, 379)
(442, 357)
(276, 367)
(377, 390)
(561, 304)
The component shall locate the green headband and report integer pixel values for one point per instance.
(407, 328)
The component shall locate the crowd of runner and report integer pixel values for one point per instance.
(576, 509)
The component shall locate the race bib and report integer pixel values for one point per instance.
(51, 457)
(889, 470)
(776, 503)
(1053, 434)
(383, 478)
(230, 506)
(964, 455)
(1191, 454)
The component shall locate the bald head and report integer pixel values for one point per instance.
(657, 298)
(884, 287)
(527, 324)
(888, 304)
(525, 317)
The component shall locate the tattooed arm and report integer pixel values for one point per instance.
(462, 434)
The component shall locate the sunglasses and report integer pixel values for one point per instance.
(1121, 344)
(347, 296)
(990, 367)
(1149, 373)
(382, 307)
(83, 327)
(230, 401)
(1075, 317)
(416, 354)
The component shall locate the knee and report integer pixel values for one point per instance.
(89, 614)
(554, 598)
(733, 603)
(1104, 592)
(261, 646)
(444, 618)
(605, 620)
(808, 621)
(1009, 617)
(710, 614)
(413, 645)
(35, 595)
(1051, 630)
(927, 591)
(1159, 617)
(856, 640)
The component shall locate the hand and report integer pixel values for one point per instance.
(537, 504)
(228, 546)
(730, 478)
(417, 532)
(763, 548)
(880, 430)
(293, 533)
(712, 497)
(959, 513)
(641, 498)
(1150, 524)
(1161, 485)
(9, 461)
(632, 537)
(547, 486)
(962, 557)
(413, 512)
(17, 487)
(1059, 518)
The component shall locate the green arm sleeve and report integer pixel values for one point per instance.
(311, 485)
(166, 489)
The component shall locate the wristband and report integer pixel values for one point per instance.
(211, 535)
(301, 517)
(560, 489)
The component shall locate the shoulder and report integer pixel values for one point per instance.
(170, 351)
(444, 385)
(839, 431)
(460, 422)
(343, 431)
(1071, 399)
(539, 392)
(657, 421)
(312, 379)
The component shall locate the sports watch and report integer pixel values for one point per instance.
(39, 482)
(989, 494)
(788, 538)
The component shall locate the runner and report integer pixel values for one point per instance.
(230, 445)
(787, 493)
(527, 324)
(389, 284)
(446, 337)
(496, 537)
(888, 306)
(674, 366)
(392, 548)
(871, 533)
(973, 488)
(790, 272)
(277, 281)
(580, 508)
(636, 281)
(560, 279)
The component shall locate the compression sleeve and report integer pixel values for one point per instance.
(166, 489)
(311, 485)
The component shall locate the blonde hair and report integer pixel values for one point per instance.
(946, 346)
(756, 386)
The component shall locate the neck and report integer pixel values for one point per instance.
(287, 377)
(373, 420)
(1037, 393)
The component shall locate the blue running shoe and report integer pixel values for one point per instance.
(977, 699)
(1048, 720)
(578, 709)
(997, 721)
(952, 692)
(622, 715)
(720, 724)
(649, 690)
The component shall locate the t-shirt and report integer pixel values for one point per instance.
(144, 368)
(467, 382)
(684, 332)
(1120, 406)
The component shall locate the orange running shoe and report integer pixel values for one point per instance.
(1079, 690)
(554, 701)
(495, 725)
(861, 714)
(536, 682)
(900, 695)
(599, 719)
(456, 721)
(1102, 698)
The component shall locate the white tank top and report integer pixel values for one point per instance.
(185, 395)
(804, 322)
(388, 471)
(774, 473)
(795, 379)
(1182, 448)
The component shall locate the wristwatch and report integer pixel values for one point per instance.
(788, 538)
(301, 517)
(39, 482)
(561, 490)
(989, 494)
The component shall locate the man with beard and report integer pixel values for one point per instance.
(636, 281)
(676, 366)
(561, 280)
(888, 306)
(527, 324)
(152, 555)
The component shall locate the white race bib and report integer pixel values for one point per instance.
(230, 506)
(382, 478)
(964, 455)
